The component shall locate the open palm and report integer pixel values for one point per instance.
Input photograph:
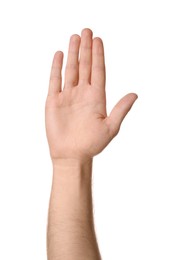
(77, 124)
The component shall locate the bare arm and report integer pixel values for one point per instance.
(78, 128)
(70, 230)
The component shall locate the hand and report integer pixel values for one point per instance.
(77, 124)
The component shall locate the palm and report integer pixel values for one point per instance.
(76, 121)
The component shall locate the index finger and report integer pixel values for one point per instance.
(98, 76)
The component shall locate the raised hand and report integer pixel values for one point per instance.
(77, 124)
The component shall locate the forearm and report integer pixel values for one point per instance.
(70, 234)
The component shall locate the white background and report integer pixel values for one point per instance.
(132, 184)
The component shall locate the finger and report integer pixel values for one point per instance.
(98, 64)
(85, 56)
(55, 75)
(72, 67)
(119, 112)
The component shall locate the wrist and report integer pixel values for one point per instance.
(71, 162)
(72, 182)
(72, 167)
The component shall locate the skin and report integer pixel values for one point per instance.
(77, 128)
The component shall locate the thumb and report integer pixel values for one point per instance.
(119, 112)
